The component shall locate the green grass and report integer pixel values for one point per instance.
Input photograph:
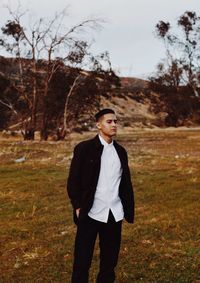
(36, 228)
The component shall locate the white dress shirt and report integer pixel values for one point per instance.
(107, 192)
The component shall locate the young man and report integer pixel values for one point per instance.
(100, 189)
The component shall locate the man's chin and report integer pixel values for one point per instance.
(113, 133)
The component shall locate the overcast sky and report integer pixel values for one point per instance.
(128, 34)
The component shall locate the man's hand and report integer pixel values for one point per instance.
(77, 212)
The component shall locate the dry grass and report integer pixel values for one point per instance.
(36, 227)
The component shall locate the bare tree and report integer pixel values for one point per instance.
(182, 63)
(48, 41)
(83, 97)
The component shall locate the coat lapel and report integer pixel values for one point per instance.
(98, 149)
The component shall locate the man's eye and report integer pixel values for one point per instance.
(110, 121)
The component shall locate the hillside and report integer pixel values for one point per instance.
(137, 102)
(141, 104)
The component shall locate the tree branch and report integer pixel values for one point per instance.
(10, 106)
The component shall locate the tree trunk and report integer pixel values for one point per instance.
(44, 129)
(34, 103)
(28, 134)
(62, 133)
(50, 71)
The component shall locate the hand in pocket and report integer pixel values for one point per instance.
(77, 212)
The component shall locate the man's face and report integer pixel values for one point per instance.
(107, 125)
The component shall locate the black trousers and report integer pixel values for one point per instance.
(109, 243)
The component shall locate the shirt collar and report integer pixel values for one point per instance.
(104, 143)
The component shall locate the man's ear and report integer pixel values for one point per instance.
(98, 125)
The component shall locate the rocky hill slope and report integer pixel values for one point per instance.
(142, 104)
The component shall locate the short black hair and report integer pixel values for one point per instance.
(103, 112)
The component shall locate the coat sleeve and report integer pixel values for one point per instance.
(74, 178)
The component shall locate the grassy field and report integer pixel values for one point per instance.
(36, 228)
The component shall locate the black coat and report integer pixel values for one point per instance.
(84, 173)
